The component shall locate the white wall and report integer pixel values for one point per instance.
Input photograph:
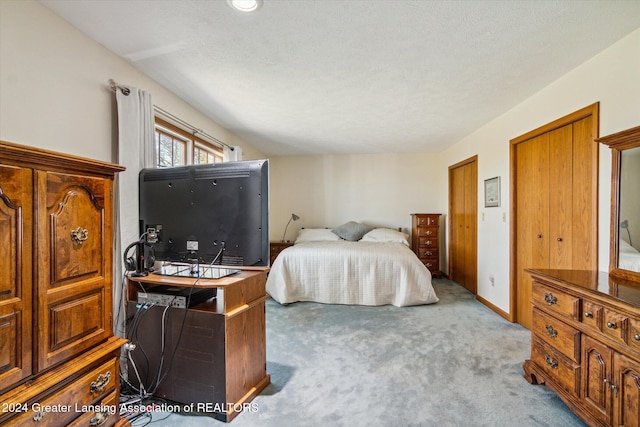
(53, 87)
(611, 78)
(377, 189)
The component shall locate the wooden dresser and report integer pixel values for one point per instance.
(425, 240)
(585, 343)
(59, 360)
(275, 248)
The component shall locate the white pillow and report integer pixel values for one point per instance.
(385, 235)
(316, 235)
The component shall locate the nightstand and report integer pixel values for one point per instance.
(275, 248)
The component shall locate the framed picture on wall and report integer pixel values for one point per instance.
(492, 192)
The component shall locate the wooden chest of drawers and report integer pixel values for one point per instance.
(585, 343)
(425, 240)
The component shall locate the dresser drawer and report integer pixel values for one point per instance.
(634, 334)
(427, 220)
(615, 325)
(427, 253)
(592, 314)
(556, 301)
(431, 264)
(66, 405)
(427, 232)
(561, 336)
(560, 369)
(429, 242)
(104, 413)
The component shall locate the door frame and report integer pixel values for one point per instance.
(470, 160)
(590, 110)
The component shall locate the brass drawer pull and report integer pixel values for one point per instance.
(101, 383)
(100, 418)
(550, 361)
(550, 299)
(551, 332)
(611, 325)
(79, 235)
(588, 314)
(428, 253)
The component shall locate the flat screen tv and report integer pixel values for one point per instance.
(213, 213)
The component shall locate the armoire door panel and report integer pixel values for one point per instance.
(560, 197)
(597, 359)
(75, 319)
(16, 225)
(76, 227)
(72, 278)
(626, 408)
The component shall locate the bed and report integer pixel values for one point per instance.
(628, 257)
(376, 269)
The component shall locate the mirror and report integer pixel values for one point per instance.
(629, 213)
(625, 206)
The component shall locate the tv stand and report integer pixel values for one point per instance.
(219, 364)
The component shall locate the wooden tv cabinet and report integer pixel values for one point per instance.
(585, 343)
(215, 350)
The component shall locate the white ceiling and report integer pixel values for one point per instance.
(353, 76)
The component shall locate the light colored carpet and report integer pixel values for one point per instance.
(455, 363)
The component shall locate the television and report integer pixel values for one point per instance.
(207, 214)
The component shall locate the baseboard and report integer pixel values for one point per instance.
(494, 308)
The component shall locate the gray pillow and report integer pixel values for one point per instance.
(352, 230)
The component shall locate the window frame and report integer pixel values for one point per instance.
(193, 143)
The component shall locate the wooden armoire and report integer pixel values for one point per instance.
(554, 199)
(59, 360)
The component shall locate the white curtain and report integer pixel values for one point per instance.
(136, 150)
(231, 154)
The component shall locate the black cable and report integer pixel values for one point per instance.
(175, 348)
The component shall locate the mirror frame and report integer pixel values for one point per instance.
(618, 142)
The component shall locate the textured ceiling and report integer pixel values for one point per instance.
(353, 76)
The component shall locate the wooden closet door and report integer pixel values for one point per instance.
(560, 198)
(456, 250)
(463, 206)
(532, 189)
(554, 202)
(584, 223)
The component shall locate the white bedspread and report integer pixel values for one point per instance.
(628, 257)
(342, 272)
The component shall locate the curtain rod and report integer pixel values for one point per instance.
(114, 87)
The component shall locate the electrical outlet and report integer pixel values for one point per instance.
(492, 280)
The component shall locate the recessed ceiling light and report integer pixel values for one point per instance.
(245, 5)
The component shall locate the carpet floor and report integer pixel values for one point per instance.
(454, 363)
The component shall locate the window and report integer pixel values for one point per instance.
(177, 147)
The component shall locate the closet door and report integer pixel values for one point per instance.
(554, 201)
(532, 189)
(463, 206)
(560, 194)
